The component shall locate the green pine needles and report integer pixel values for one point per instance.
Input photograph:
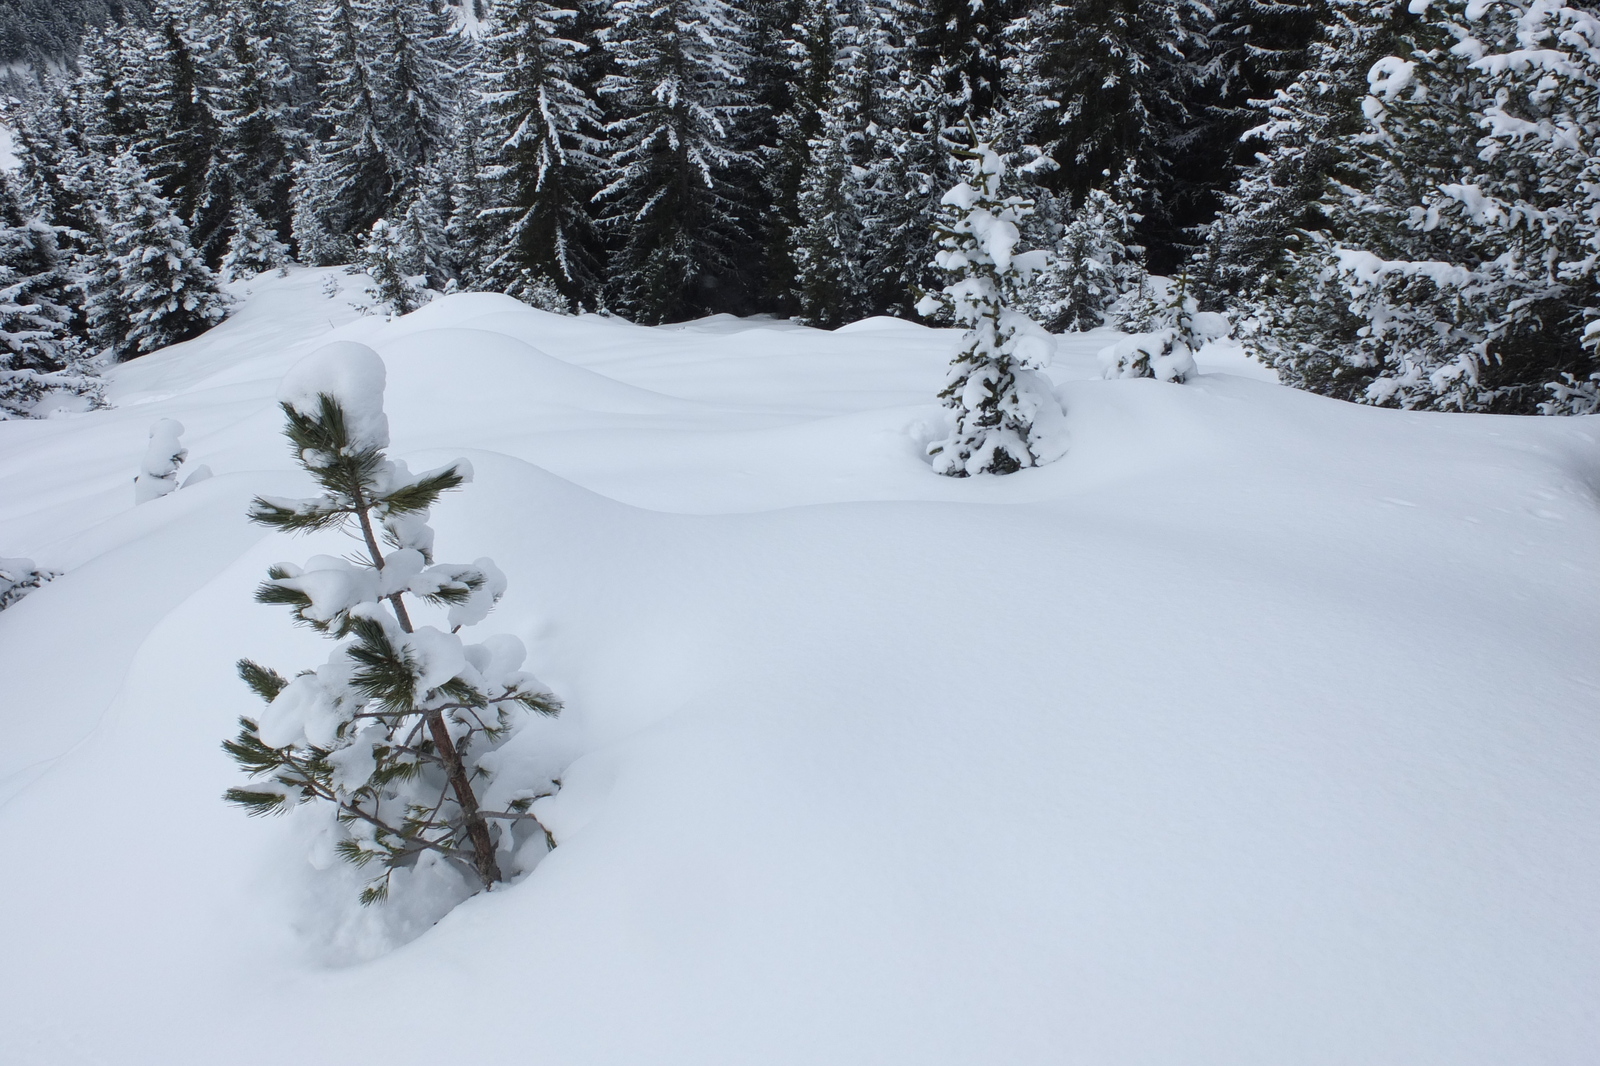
(393, 732)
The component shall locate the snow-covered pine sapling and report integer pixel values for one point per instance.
(158, 472)
(1005, 414)
(396, 732)
(1167, 352)
(387, 259)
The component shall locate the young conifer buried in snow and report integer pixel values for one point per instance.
(1006, 415)
(394, 729)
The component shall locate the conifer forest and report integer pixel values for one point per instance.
(1394, 201)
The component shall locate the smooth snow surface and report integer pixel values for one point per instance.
(1260, 730)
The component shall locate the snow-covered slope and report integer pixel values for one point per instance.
(1261, 729)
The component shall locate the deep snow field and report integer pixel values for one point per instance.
(1261, 730)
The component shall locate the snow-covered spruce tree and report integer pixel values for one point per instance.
(354, 177)
(542, 167)
(150, 288)
(914, 159)
(163, 456)
(1167, 352)
(1299, 140)
(1005, 415)
(260, 142)
(1455, 269)
(667, 203)
(828, 239)
(43, 364)
(395, 735)
(182, 149)
(254, 248)
(391, 262)
(1092, 264)
(1102, 84)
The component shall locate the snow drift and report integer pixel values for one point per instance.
(1259, 729)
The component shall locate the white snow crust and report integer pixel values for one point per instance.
(1259, 730)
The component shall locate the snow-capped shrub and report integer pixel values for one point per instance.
(158, 472)
(18, 577)
(1005, 413)
(395, 733)
(1167, 352)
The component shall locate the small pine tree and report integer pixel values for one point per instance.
(1167, 352)
(150, 288)
(1006, 415)
(254, 248)
(394, 733)
(389, 260)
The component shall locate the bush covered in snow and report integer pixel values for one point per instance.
(396, 733)
(18, 577)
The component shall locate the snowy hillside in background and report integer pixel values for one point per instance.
(1261, 730)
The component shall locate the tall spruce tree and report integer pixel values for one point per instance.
(667, 205)
(1298, 140)
(834, 205)
(394, 735)
(353, 177)
(542, 167)
(43, 365)
(261, 142)
(149, 287)
(1105, 86)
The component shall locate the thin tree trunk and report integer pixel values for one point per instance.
(456, 771)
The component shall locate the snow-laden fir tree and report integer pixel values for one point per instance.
(395, 736)
(391, 260)
(1299, 137)
(354, 177)
(1004, 413)
(260, 141)
(828, 239)
(1102, 85)
(253, 248)
(1092, 264)
(150, 288)
(667, 204)
(1455, 266)
(541, 168)
(43, 364)
(1166, 352)
(182, 149)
